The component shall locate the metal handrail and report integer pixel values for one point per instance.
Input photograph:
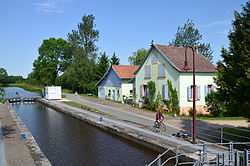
(159, 156)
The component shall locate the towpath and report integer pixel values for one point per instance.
(134, 115)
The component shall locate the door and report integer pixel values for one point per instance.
(113, 95)
(102, 93)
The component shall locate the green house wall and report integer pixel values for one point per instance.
(170, 74)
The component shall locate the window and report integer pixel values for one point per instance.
(144, 91)
(161, 70)
(154, 57)
(131, 91)
(147, 71)
(208, 89)
(165, 95)
(190, 92)
(109, 94)
(118, 93)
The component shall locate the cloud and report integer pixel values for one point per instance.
(50, 6)
(223, 32)
(216, 23)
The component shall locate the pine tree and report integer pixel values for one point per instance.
(234, 70)
(114, 60)
(102, 66)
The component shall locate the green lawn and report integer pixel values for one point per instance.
(28, 87)
(84, 106)
(67, 91)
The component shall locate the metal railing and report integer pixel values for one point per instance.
(214, 133)
(207, 154)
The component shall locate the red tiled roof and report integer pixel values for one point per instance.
(176, 56)
(125, 71)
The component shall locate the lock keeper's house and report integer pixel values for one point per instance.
(166, 62)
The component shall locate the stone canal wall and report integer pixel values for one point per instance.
(147, 140)
(39, 158)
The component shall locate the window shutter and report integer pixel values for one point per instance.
(162, 92)
(140, 90)
(147, 71)
(199, 92)
(161, 70)
(205, 90)
(147, 92)
(189, 93)
(166, 92)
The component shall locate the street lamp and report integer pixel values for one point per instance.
(186, 67)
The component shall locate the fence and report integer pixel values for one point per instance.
(207, 154)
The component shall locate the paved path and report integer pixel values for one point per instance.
(127, 113)
(174, 124)
(2, 154)
(167, 139)
(15, 150)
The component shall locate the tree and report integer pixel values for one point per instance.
(173, 102)
(114, 60)
(153, 101)
(3, 76)
(53, 58)
(102, 66)
(215, 106)
(137, 57)
(188, 35)
(85, 36)
(233, 77)
(79, 76)
(2, 94)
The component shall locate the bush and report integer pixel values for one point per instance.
(215, 106)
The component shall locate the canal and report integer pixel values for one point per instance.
(67, 141)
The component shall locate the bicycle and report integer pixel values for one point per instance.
(159, 126)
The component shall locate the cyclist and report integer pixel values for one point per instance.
(159, 117)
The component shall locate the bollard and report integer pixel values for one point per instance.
(101, 119)
(23, 136)
(41, 156)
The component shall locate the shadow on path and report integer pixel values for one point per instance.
(8, 130)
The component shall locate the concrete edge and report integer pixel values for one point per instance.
(39, 158)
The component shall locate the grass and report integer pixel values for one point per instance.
(64, 96)
(28, 87)
(67, 91)
(84, 106)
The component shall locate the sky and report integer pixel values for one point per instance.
(125, 25)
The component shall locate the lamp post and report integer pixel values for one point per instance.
(186, 67)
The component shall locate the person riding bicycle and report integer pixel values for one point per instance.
(159, 117)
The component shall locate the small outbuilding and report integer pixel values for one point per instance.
(53, 92)
(114, 84)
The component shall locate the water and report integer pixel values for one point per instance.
(67, 141)
(13, 92)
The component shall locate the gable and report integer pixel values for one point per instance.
(110, 79)
(176, 57)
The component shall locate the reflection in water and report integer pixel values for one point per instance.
(68, 141)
